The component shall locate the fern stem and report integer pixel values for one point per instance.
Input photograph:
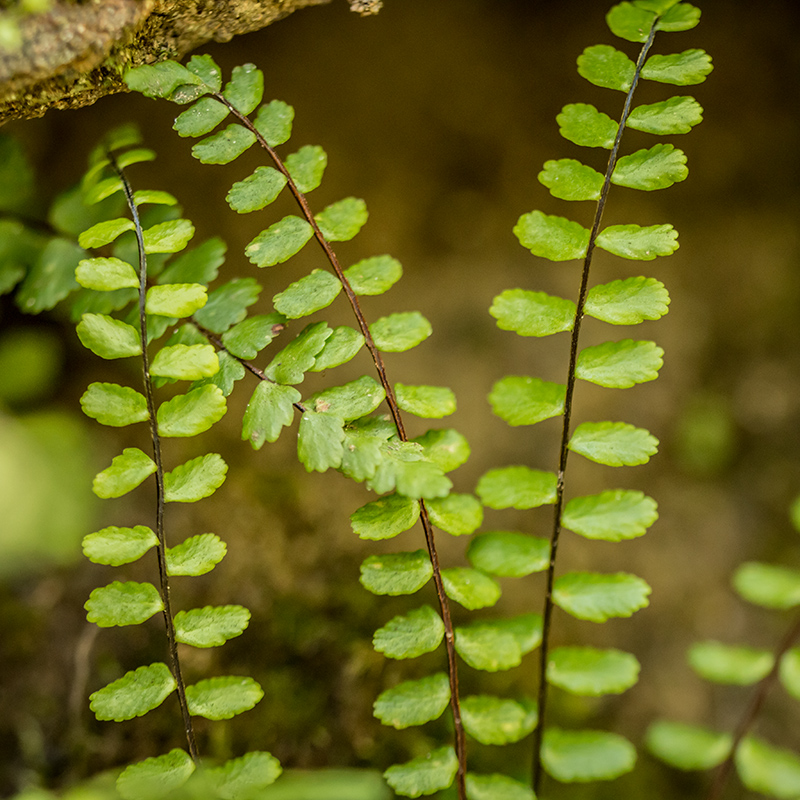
(547, 613)
(753, 710)
(394, 410)
(160, 501)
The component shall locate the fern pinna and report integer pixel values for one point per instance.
(111, 282)
(617, 514)
(761, 766)
(337, 428)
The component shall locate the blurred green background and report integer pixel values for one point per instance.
(440, 115)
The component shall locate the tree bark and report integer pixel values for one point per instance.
(77, 52)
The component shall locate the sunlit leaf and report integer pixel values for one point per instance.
(270, 409)
(420, 631)
(312, 292)
(224, 146)
(611, 516)
(256, 191)
(584, 125)
(730, 664)
(227, 305)
(551, 237)
(638, 243)
(768, 585)
(790, 672)
(114, 405)
(656, 168)
(307, 167)
(176, 299)
(606, 66)
(230, 371)
(509, 554)
(106, 274)
(630, 22)
(581, 756)
(400, 332)
(768, 770)
(615, 444)
(211, 626)
(223, 697)
(520, 400)
(104, 233)
(374, 276)
(592, 672)
(126, 472)
(245, 88)
(168, 237)
(154, 197)
(496, 787)
(385, 518)
(676, 115)
(619, 365)
(319, 440)
(123, 603)
(628, 302)
(424, 775)
(396, 573)
(414, 702)
(103, 189)
(351, 401)
(279, 242)
(292, 362)
(517, 487)
(157, 777)
(492, 720)
(134, 694)
(569, 179)
(185, 362)
(115, 546)
(532, 313)
(458, 514)
(687, 746)
(196, 555)
(107, 337)
(470, 588)
(446, 448)
(430, 402)
(245, 776)
(198, 478)
(681, 17)
(341, 221)
(680, 69)
(597, 598)
(274, 122)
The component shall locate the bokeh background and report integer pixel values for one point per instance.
(440, 115)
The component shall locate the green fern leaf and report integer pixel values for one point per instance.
(199, 265)
(681, 17)
(619, 365)
(447, 449)
(606, 66)
(106, 274)
(611, 516)
(227, 305)
(669, 117)
(160, 80)
(154, 197)
(298, 357)
(168, 237)
(195, 479)
(114, 405)
(246, 776)
(274, 122)
(404, 469)
(532, 313)
(224, 146)
(520, 400)
(768, 585)
(597, 598)
(728, 664)
(351, 401)
(568, 179)
(414, 702)
(201, 118)
(585, 126)
(458, 514)
(196, 555)
(420, 631)
(363, 447)
(157, 777)
(103, 189)
(245, 88)
(687, 747)
(470, 587)
(657, 168)
(680, 69)
(307, 166)
(224, 697)
(115, 546)
(137, 156)
(424, 775)
(517, 487)
(211, 626)
(630, 22)
(554, 238)
(343, 345)
(128, 603)
(319, 441)
(107, 337)
(385, 518)
(637, 242)
(176, 300)
(256, 191)
(508, 554)
(374, 276)
(790, 672)
(582, 756)
(250, 336)
(492, 720)
(768, 770)
(126, 472)
(270, 409)
(628, 302)
(496, 787)
(51, 276)
(615, 444)
(311, 293)
(592, 672)
(396, 573)
(185, 362)
(279, 242)
(134, 694)
(400, 332)
(230, 371)
(341, 221)
(487, 647)
(429, 402)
